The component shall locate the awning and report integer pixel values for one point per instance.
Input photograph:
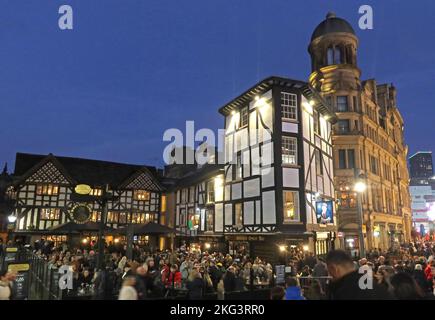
(150, 228)
(72, 227)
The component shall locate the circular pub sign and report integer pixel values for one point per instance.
(81, 213)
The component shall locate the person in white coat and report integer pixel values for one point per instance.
(5, 288)
(128, 292)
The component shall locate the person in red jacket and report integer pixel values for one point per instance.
(430, 271)
(173, 278)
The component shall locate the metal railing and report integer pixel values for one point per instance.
(43, 281)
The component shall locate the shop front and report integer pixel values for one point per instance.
(323, 242)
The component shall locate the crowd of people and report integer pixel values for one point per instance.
(408, 273)
(404, 274)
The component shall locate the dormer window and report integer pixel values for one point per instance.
(47, 189)
(141, 195)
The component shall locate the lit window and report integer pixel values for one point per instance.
(244, 116)
(209, 223)
(210, 191)
(141, 195)
(289, 106)
(47, 189)
(163, 203)
(49, 214)
(289, 150)
(238, 214)
(96, 192)
(193, 219)
(112, 217)
(192, 194)
(96, 216)
(238, 168)
(291, 206)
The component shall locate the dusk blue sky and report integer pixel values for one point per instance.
(131, 69)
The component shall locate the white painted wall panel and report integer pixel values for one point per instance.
(251, 188)
(236, 191)
(267, 177)
(219, 217)
(267, 154)
(290, 127)
(269, 211)
(257, 212)
(248, 212)
(255, 153)
(290, 177)
(228, 214)
(246, 161)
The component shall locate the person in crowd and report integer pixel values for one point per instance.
(293, 290)
(420, 278)
(404, 287)
(141, 281)
(277, 293)
(345, 284)
(173, 278)
(195, 285)
(215, 274)
(5, 285)
(128, 291)
(230, 280)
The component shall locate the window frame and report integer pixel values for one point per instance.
(292, 144)
(289, 111)
(296, 207)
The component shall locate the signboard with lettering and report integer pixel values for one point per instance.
(21, 283)
(280, 274)
(11, 254)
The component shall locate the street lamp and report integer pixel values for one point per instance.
(12, 218)
(360, 187)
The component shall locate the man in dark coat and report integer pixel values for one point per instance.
(215, 274)
(346, 284)
(230, 280)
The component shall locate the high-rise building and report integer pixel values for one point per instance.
(421, 168)
(367, 140)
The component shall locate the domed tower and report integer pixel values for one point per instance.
(333, 50)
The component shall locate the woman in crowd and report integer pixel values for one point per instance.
(128, 292)
(195, 285)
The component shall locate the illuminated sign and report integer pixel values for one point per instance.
(324, 212)
(82, 189)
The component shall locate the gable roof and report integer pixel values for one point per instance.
(307, 90)
(92, 172)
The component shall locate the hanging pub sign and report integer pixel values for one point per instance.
(324, 212)
(82, 189)
(10, 254)
(81, 213)
(21, 283)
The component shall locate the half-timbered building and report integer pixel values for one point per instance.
(278, 168)
(43, 185)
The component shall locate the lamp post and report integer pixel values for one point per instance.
(11, 219)
(360, 187)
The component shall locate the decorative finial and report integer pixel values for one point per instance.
(330, 15)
